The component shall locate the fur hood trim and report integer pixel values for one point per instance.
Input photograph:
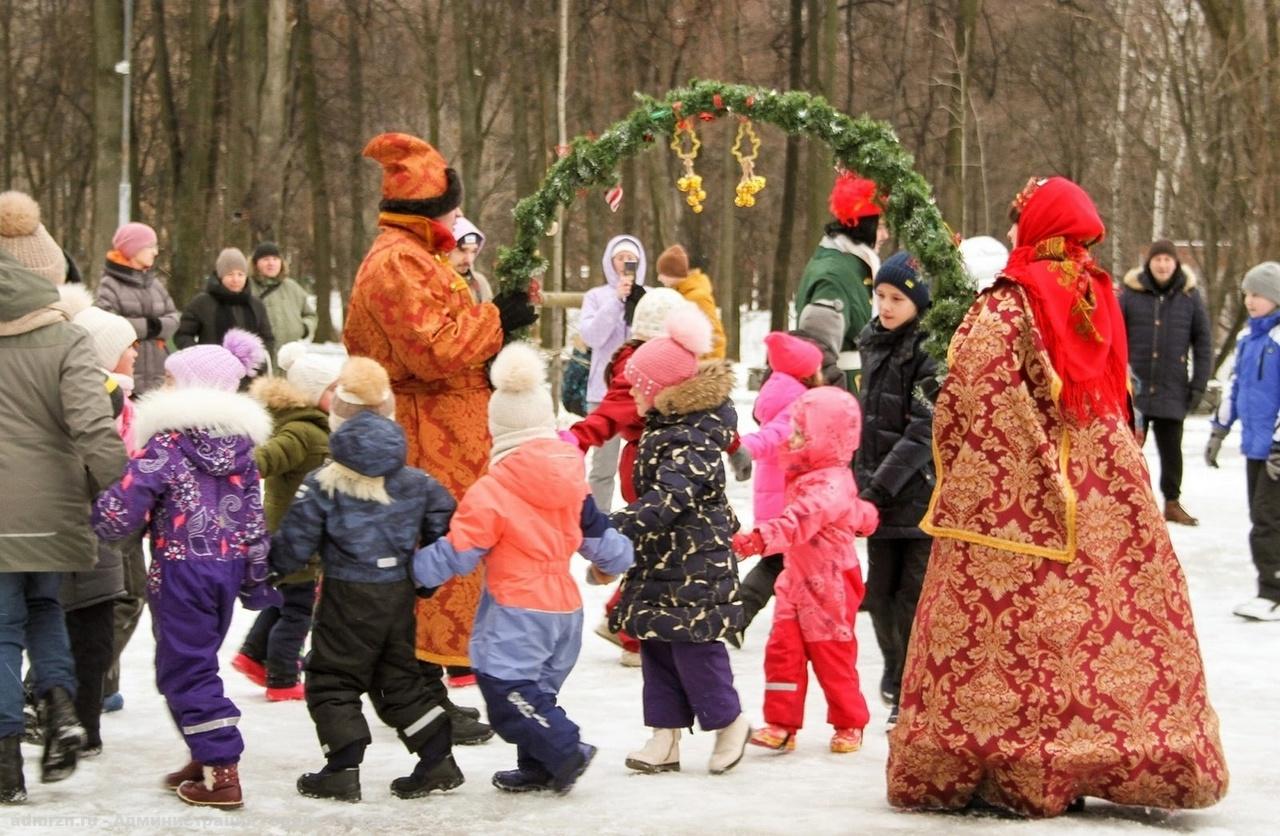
(278, 394)
(220, 414)
(1133, 280)
(709, 388)
(338, 478)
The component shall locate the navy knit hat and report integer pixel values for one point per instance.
(903, 272)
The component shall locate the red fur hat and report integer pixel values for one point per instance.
(852, 198)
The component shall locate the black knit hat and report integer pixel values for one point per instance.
(265, 249)
(1162, 247)
(903, 272)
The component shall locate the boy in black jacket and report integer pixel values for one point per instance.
(894, 465)
(365, 513)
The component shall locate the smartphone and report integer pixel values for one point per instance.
(629, 268)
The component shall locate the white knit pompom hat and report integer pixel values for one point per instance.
(520, 408)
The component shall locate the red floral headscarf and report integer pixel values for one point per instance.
(1072, 298)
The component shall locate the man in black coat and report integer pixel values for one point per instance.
(1168, 326)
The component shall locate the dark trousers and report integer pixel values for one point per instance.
(277, 635)
(90, 631)
(362, 643)
(684, 680)
(757, 586)
(895, 574)
(127, 611)
(546, 740)
(1168, 435)
(1264, 537)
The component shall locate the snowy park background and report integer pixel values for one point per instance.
(809, 791)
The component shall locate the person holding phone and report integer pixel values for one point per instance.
(604, 326)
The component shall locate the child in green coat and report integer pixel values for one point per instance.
(299, 407)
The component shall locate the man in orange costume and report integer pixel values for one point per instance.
(415, 315)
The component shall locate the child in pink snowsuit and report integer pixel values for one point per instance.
(820, 587)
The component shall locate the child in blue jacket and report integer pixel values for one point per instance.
(365, 513)
(1254, 398)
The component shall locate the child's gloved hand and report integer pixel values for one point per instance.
(745, 545)
(740, 460)
(259, 596)
(1212, 449)
(1273, 461)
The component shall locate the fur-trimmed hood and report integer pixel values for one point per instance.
(706, 390)
(278, 394)
(1134, 280)
(209, 412)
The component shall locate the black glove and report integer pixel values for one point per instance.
(874, 495)
(514, 310)
(1215, 444)
(153, 328)
(426, 591)
(629, 304)
(740, 461)
(1193, 399)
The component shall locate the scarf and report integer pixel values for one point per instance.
(1072, 299)
(229, 302)
(844, 244)
(439, 239)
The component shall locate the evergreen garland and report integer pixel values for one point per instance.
(863, 145)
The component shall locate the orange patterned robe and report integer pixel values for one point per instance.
(413, 314)
(1053, 653)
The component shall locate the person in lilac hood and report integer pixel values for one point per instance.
(605, 324)
(196, 484)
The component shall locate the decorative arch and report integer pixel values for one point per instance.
(861, 144)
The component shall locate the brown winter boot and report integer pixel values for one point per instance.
(1175, 513)
(193, 771)
(220, 787)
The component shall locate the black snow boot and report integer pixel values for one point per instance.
(444, 775)
(464, 729)
(465, 710)
(13, 789)
(63, 736)
(31, 723)
(339, 784)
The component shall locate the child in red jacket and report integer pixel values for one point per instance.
(820, 587)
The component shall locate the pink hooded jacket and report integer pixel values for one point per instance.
(822, 516)
(773, 411)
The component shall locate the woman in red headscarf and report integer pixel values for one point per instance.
(1053, 654)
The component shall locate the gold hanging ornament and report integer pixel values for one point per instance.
(751, 183)
(691, 182)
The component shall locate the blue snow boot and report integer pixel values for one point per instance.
(522, 780)
(564, 781)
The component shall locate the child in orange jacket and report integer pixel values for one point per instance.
(525, 518)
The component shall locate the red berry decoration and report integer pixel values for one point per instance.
(648, 137)
(751, 101)
(706, 117)
(717, 101)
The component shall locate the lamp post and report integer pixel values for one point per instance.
(124, 68)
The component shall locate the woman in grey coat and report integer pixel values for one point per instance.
(1168, 330)
(130, 288)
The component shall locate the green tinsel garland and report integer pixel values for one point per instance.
(863, 145)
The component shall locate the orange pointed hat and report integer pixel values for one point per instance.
(415, 178)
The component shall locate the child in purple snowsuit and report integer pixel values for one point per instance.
(196, 484)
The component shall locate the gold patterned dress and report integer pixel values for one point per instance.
(1053, 654)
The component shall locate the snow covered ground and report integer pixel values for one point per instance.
(809, 791)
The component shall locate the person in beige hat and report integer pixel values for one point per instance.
(24, 237)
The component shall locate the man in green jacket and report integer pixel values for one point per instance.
(842, 269)
(290, 309)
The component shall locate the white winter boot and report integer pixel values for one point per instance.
(660, 754)
(731, 742)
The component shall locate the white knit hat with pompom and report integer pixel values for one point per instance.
(668, 361)
(25, 238)
(310, 372)
(520, 408)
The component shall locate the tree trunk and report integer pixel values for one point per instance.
(7, 92)
(313, 142)
(780, 286)
(108, 120)
(356, 174)
(727, 282)
(193, 139)
(820, 175)
(955, 168)
(271, 76)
